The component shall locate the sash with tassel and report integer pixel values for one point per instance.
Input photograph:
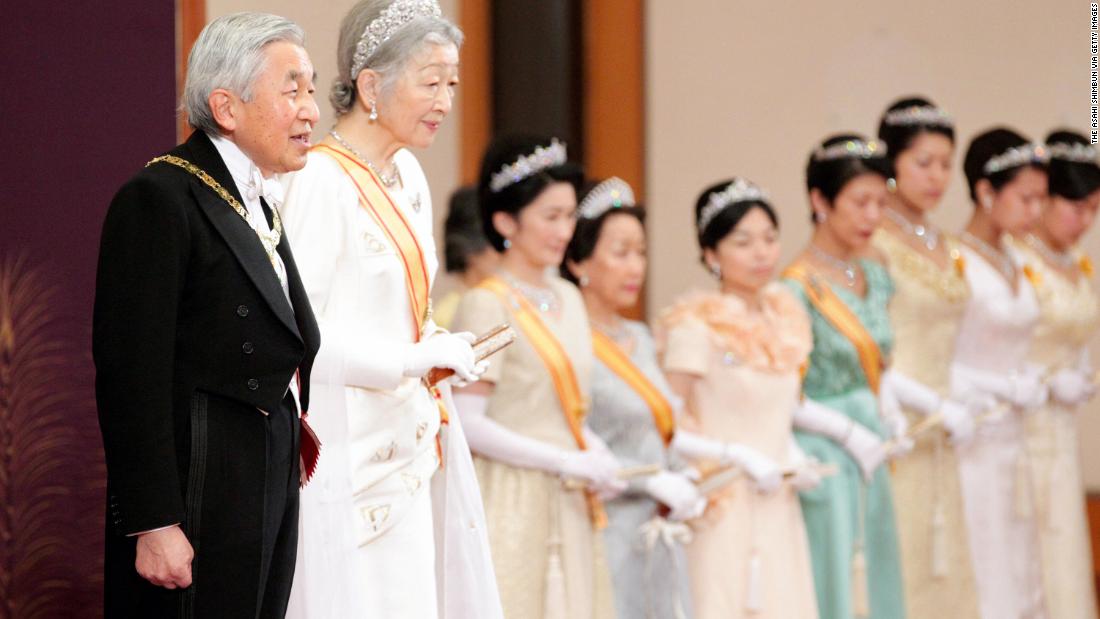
(559, 367)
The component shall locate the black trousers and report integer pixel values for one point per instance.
(242, 520)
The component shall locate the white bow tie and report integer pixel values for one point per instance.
(270, 189)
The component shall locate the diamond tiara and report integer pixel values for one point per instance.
(924, 115)
(851, 149)
(393, 18)
(740, 190)
(543, 157)
(1017, 156)
(612, 193)
(1075, 152)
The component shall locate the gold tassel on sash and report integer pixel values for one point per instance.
(938, 544)
(1022, 486)
(861, 599)
(754, 595)
(554, 594)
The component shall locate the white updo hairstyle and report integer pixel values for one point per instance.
(391, 57)
(229, 54)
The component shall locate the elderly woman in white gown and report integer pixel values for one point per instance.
(374, 521)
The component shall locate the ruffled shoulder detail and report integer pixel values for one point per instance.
(778, 339)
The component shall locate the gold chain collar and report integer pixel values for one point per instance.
(269, 240)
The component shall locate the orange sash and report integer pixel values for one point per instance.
(376, 200)
(618, 362)
(557, 363)
(843, 320)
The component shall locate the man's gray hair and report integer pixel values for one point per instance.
(390, 58)
(229, 54)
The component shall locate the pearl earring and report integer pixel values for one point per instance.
(987, 204)
(716, 271)
(820, 216)
(373, 111)
(507, 243)
(584, 281)
(891, 185)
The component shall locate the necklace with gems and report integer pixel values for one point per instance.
(995, 256)
(848, 268)
(1062, 259)
(542, 298)
(926, 233)
(617, 333)
(387, 181)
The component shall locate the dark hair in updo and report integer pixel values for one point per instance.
(830, 176)
(986, 146)
(514, 198)
(463, 235)
(898, 138)
(587, 234)
(1072, 180)
(727, 219)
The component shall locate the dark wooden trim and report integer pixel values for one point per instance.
(476, 108)
(614, 95)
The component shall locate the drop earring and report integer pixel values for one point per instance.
(583, 281)
(987, 204)
(716, 271)
(507, 244)
(891, 185)
(373, 112)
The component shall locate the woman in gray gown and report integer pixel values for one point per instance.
(632, 411)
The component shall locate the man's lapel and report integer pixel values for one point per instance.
(238, 235)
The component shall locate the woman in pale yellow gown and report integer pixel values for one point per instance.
(544, 530)
(734, 356)
(1070, 315)
(929, 300)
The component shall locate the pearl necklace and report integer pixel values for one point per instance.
(1062, 259)
(387, 181)
(542, 298)
(925, 233)
(848, 268)
(995, 256)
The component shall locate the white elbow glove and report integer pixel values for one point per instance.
(763, 470)
(597, 467)
(1023, 389)
(444, 350)
(1071, 387)
(676, 491)
(958, 420)
(864, 446)
(806, 476)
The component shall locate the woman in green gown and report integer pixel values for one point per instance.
(850, 516)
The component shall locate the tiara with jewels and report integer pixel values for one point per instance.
(740, 190)
(926, 115)
(849, 149)
(393, 18)
(1075, 152)
(543, 157)
(612, 193)
(1016, 157)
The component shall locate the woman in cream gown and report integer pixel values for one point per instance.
(1008, 181)
(930, 295)
(1069, 317)
(542, 471)
(734, 355)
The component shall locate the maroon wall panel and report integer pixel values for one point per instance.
(88, 97)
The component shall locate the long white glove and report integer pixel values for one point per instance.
(1071, 387)
(1024, 389)
(490, 439)
(676, 491)
(764, 471)
(806, 476)
(958, 419)
(864, 446)
(444, 350)
(890, 402)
